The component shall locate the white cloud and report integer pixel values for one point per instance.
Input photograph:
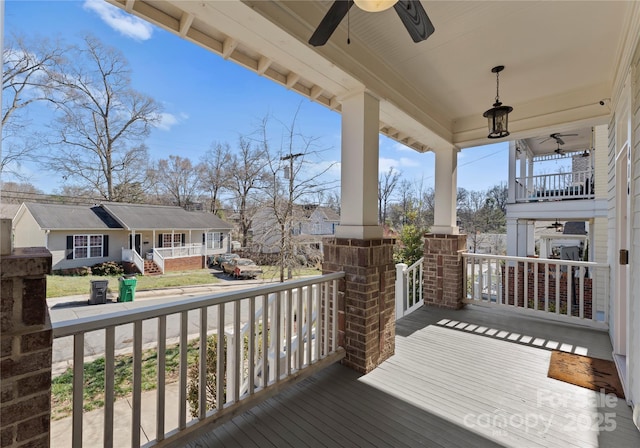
(166, 120)
(397, 164)
(124, 23)
(407, 162)
(384, 164)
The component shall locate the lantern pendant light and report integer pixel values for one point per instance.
(498, 115)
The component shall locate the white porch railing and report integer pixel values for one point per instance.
(409, 291)
(187, 250)
(573, 291)
(158, 259)
(295, 323)
(131, 256)
(545, 187)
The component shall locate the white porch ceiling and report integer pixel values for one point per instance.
(561, 59)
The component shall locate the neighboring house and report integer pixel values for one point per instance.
(310, 224)
(487, 243)
(147, 237)
(566, 241)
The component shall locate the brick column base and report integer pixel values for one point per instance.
(25, 354)
(368, 308)
(443, 269)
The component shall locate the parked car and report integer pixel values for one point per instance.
(242, 268)
(219, 259)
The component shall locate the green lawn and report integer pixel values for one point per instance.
(61, 286)
(64, 285)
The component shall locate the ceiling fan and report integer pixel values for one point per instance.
(413, 16)
(559, 150)
(558, 137)
(556, 225)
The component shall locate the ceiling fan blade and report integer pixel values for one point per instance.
(559, 140)
(330, 22)
(415, 19)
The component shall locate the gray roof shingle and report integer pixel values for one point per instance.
(149, 217)
(71, 217)
(118, 216)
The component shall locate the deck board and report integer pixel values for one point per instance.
(454, 378)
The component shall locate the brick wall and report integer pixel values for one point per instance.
(547, 286)
(443, 269)
(367, 309)
(26, 341)
(184, 263)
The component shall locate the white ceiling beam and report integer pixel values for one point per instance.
(228, 46)
(263, 65)
(128, 6)
(185, 23)
(315, 92)
(292, 79)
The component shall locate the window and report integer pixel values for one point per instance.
(87, 246)
(171, 239)
(215, 240)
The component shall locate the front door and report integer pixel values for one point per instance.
(137, 243)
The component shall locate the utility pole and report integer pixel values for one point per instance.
(289, 214)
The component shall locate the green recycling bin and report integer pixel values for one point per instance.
(127, 289)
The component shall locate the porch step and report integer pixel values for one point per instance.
(150, 268)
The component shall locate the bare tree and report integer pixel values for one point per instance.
(102, 121)
(246, 174)
(290, 184)
(25, 70)
(178, 179)
(214, 173)
(386, 187)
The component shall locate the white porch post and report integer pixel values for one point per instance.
(446, 179)
(512, 237)
(512, 177)
(359, 170)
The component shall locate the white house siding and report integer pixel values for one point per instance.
(58, 248)
(634, 308)
(27, 232)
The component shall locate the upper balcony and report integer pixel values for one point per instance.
(563, 173)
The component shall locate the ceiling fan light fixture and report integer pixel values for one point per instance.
(498, 115)
(374, 5)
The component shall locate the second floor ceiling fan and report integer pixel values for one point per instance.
(411, 12)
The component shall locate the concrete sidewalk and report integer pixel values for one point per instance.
(93, 421)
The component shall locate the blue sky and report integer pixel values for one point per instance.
(206, 99)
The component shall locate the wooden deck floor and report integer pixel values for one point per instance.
(470, 378)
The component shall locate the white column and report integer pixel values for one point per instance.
(446, 188)
(531, 238)
(359, 169)
(511, 192)
(512, 237)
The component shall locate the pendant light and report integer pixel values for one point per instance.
(498, 115)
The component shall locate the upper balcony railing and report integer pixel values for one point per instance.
(275, 334)
(557, 186)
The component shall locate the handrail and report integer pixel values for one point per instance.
(569, 185)
(249, 368)
(138, 261)
(409, 290)
(92, 323)
(158, 259)
(575, 291)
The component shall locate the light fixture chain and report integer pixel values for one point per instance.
(497, 87)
